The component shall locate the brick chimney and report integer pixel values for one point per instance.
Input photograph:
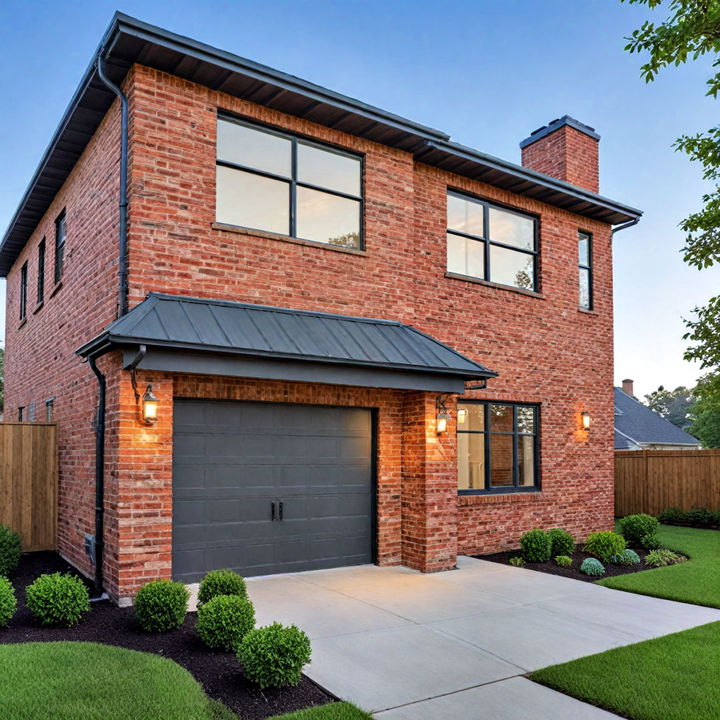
(628, 387)
(565, 149)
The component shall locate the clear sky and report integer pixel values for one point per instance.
(486, 71)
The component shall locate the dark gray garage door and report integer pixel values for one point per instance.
(236, 465)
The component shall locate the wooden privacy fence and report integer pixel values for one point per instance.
(28, 482)
(651, 480)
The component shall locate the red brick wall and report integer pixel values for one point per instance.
(567, 154)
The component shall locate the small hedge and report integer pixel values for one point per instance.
(563, 560)
(161, 605)
(221, 582)
(224, 621)
(536, 546)
(696, 517)
(57, 599)
(604, 545)
(635, 527)
(10, 550)
(562, 542)
(591, 566)
(274, 656)
(8, 602)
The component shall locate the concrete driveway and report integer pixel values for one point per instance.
(454, 645)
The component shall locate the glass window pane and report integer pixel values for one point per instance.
(471, 416)
(512, 229)
(584, 298)
(526, 420)
(328, 169)
(501, 454)
(465, 216)
(509, 267)
(526, 461)
(471, 461)
(328, 218)
(253, 148)
(466, 256)
(252, 201)
(501, 418)
(583, 249)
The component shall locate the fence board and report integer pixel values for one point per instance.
(651, 480)
(28, 482)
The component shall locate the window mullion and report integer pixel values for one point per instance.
(488, 457)
(515, 448)
(486, 248)
(293, 189)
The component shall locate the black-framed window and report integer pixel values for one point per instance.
(23, 290)
(21, 413)
(585, 289)
(41, 272)
(49, 407)
(60, 238)
(490, 242)
(498, 447)
(276, 182)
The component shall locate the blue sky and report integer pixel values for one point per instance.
(486, 71)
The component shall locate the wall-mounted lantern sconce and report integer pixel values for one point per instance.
(585, 418)
(149, 407)
(442, 417)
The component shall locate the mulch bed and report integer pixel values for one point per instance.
(574, 570)
(219, 673)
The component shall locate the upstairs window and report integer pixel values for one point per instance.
(60, 237)
(23, 290)
(279, 183)
(41, 273)
(585, 296)
(491, 243)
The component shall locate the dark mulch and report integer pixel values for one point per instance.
(574, 570)
(218, 673)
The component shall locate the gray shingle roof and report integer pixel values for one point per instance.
(639, 423)
(187, 323)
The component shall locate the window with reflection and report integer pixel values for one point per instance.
(497, 447)
(488, 242)
(585, 298)
(279, 183)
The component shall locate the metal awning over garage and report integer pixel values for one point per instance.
(171, 333)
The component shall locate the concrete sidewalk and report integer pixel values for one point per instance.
(454, 645)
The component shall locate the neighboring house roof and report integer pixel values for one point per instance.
(128, 41)
(637, 425)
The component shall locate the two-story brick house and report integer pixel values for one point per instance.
(281, 329)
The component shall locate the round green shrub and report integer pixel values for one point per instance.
(161, 605)
(10, 550)
(672, 516)
(221, 582)
(716, 518)
(563, 560)
(635, 527)
(8, 601)
(562, 542)
(57, 599)
(517, 561)
(650, 542)
(274, 656)
(536, 546)
(626, 557)
(224, 621)
(698, 517)
(604, 544)
(591, 566)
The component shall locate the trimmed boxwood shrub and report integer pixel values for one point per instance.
(635, 527)
(699, 517)
(650, 542)
(221, 582)
(536, 546)
(562, 542)
(274, 656)
(563, 560)
(10, 550)
(8, 602)
(58, 599)
(161, 605)
(604, 544)
(224, 621)
(591, 566)
(672, 516)
(626, 557)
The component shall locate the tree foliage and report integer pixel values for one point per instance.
(674, 405)
(705, 414)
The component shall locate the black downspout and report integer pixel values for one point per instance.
(99, 475)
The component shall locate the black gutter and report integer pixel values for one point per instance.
(626, 225)
(99, 427)
(123, 201)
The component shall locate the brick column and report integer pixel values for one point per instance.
(429, 494)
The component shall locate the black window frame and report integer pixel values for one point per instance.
(60, 242)
(21, 412)
(487, 445)
(293, 182)
(41, 272)
(49, 407)
(23, 290)
(588, 267)
(487, 242)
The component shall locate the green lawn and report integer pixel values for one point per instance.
(696, 581)
(674, 677)
(89, 681)
(334, 711)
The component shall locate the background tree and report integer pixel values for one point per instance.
(705, 414)
(674, 405)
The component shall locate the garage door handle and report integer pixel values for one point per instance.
(272, 511)
(280, 510)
